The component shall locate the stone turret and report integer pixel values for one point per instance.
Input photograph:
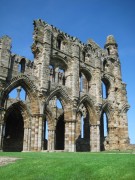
(111, 46)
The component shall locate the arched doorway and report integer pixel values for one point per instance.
(20, 108)
(13, 131)
(83, 130)
(60, 133)
(55, 126)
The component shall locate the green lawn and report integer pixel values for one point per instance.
(69, 166)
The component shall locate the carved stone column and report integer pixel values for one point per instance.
(32, 132)
(51, 137)
(40, 126)
(70, 136)
(29, 139)
(25, 139)
(94, 138)
(27, 133)
(98, 137)
(36, 132)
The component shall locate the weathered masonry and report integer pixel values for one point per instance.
(75, 99)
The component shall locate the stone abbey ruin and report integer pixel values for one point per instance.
(75, 99)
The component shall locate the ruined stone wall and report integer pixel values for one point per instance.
(74, 73)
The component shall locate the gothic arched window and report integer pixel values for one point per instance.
(105, 88)
(59, 42)
(104, 65)
(84, 81)
(83, 56)
(21, 66)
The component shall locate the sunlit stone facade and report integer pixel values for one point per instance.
(75, 97)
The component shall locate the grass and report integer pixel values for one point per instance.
(69, 166)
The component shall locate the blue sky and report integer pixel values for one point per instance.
(85, 19)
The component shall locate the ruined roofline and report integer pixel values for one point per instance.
(6, 42)
(44, 24)
(19, 57)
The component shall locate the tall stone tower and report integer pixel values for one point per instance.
(75, 97)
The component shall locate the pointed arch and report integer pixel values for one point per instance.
(89, 104)
(17, 119)
(58, 60)
(27, 85)
(49, 115)
(60, 94)
(57, 116)
(21, 106)
(48, 124)
(21, 67)
(105, 65)
(87, 119)
(105, 121)
(21, 80)
(106, 86)
(107, 108)
(60, 38)
(60, 68)
(84, 79)
(86, 72)
(108, 78)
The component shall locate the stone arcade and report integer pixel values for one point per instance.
(75, 98)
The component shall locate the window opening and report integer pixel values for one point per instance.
(60, 127)
(45, 135)
(59, 43)
(82, 127)
(105, 124)
(104, 65)
(46, 129)
(21, 66)
(104, 91)
(84, 56)
(81, 83)
(58, 104)
(18, 93)
(108, 51)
